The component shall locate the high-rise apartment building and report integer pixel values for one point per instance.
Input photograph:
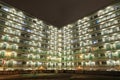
(91, 43)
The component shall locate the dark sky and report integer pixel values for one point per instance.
(59, 12)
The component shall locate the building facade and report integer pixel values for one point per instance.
(91, 43)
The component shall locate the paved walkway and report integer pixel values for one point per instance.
(51, 76)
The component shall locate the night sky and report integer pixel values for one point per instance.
(59, 12)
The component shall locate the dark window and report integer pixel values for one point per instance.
(99, 34)
(100, 40)
(34, 21)
(100, 47)
(62, 64)
(93, 35)
(95, 16)
(24, 62)
(103, 62)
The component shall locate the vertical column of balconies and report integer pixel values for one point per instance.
(53, 58)
(84, 56)
(74, 42)
(36, 56)
(60, 48)
(45, 44)
(51, 48)
(67, 62)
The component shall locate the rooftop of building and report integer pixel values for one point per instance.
(59, 12)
